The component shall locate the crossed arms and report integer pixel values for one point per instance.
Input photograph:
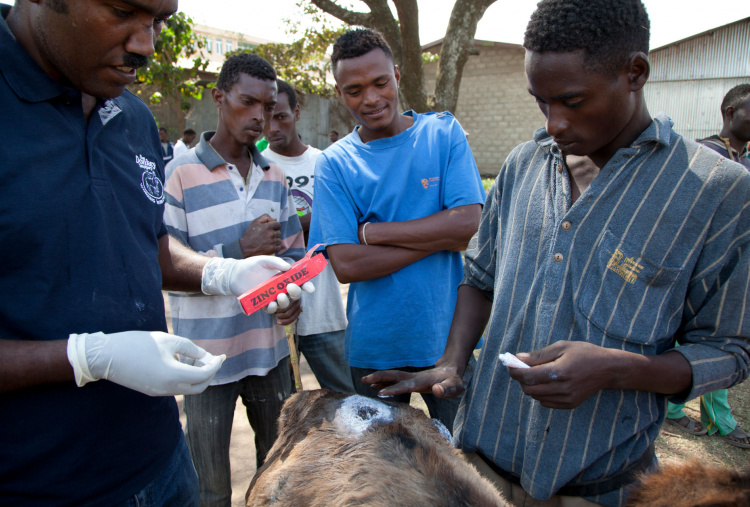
(394, 245)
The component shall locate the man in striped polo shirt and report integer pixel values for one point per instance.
(604, 241)
(225, 200)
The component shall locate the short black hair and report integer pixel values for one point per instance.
(358, 42)
(243, 63)
(735, 97)
(188, 131)
(608, 31)
(162, 129)
(334, 132)
(285, 87)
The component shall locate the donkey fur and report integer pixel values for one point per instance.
(690, 483)
(405, 461)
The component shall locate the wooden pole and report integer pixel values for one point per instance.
(294, 355)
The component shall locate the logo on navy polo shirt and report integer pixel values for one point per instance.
(150, 182)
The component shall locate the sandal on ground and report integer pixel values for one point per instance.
(737, 433)
(690, 426)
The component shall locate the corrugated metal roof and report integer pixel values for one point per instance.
(689, 78)
(694, 106)
(720, 53)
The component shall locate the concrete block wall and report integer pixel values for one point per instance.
(494, 106)
(319, 115)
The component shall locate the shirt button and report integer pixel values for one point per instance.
(558, 257)
(566, 225)
(241, 189)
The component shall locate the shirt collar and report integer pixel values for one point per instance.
(23, 74)
(659, 131)
(210, 158)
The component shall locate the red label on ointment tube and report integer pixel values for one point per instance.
(301, 271)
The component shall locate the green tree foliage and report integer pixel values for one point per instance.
(172, 83)
(303, 63)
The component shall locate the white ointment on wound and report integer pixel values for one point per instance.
(358, 414)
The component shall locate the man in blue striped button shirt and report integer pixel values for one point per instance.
(604, 241)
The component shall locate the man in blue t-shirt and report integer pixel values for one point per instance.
(87, 370)
(396, 202)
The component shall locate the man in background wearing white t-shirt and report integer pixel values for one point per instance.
(322, 325)
(183, 144)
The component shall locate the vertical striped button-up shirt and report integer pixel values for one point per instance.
(655, 250)
(209, 207)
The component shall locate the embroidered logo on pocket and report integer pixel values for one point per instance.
(626, 267)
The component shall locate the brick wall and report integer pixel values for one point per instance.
(494, 106)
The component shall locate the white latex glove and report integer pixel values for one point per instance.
(294, 291)
(144, 361)
(234, 277)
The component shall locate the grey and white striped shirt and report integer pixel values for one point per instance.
(655, 250)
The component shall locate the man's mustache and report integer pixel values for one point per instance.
(134, 60)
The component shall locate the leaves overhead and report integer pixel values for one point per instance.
(302, 63)
(177, 42)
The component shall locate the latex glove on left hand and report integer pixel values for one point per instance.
(234, 277)
(143, 361)
(294, 292)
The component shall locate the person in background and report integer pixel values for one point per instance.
(395, 203)
(167, 148)
(733, 140)
(333, 136)
(604, 241)
(225, 200)
(321, 327)
(183, 144)
(716, 415)
(87, 371)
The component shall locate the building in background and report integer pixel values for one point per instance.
(494, 105)
(220, 42)
(688, 81)
(690, 77)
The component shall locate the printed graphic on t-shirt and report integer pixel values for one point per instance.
(150, 182)
(302, 192)
(108, 111)
(431, 182)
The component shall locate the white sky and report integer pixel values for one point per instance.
(504, 21)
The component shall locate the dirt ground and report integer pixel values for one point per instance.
(671, 444)
(674, 444)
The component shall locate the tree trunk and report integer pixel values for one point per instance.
(411, 90)
(403, 37)
(457, 46)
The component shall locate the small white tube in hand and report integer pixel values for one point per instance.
(511, 361)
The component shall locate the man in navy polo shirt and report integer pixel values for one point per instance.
(84, 257)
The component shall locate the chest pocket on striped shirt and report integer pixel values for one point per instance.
(629, 297)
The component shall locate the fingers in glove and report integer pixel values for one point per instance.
(271, 308)
(283, 301)
(308, 287)
(182, 346)
(294, 291)
(203, 377)
(273, 262)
